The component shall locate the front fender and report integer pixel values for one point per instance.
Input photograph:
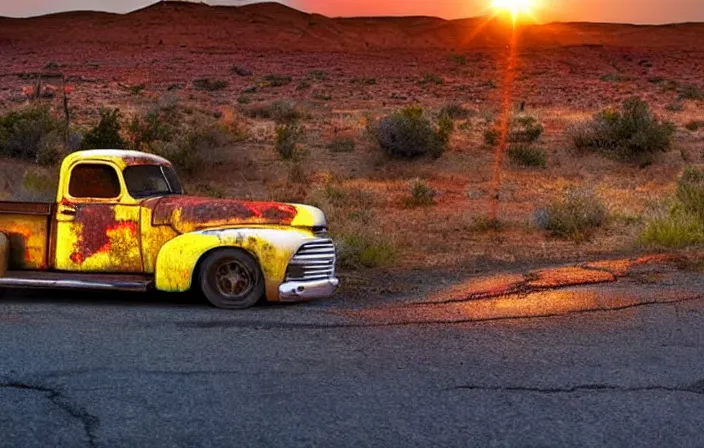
(272, 248)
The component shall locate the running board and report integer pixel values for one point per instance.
(55, 280)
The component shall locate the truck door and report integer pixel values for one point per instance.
(94, 231)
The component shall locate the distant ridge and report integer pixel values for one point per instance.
(275, 26)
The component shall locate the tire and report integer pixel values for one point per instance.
(231, 279)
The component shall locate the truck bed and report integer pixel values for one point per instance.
(28, 227)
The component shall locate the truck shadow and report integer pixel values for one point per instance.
(153, 299)
(102, 298)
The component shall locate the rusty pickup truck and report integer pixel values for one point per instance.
(121, 221)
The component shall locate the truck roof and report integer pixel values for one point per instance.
(121, 157)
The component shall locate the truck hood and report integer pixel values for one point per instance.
(187, 213)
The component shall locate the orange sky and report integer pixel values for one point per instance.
(633, 11)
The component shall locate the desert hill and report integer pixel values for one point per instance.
(273, 26)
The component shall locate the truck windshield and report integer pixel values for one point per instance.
(151, 180)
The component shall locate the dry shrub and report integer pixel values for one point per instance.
(522, 154)
(281, 111)
(353, 224)
(525, 129)
(455, 111)
(632, 133)
(288, 137)
(190, 140)
(275, 80)
(408, 134)
(680, 223)
(421, 194)
(210, 85)
(574, 216)
(31, 134)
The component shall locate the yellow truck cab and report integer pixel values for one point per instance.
(121, 221)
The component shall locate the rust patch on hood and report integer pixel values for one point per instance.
(188, 213)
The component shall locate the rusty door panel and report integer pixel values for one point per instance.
(99, 238)
(29, 240)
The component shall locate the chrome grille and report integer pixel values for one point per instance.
(313, 261)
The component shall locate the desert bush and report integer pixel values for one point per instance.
(281, 111)
(31, 134)
(244, 99)
(455, 111)
(154, 126)
(484, 224)
(287, 138)
(210, 85)
(408, 134)
(680, 223)
(365, 249)
(274, 80)
(342, 144)
(431, 78)
(363, 81)
(522, 154)
(318, 75)
(458, 59)
(674, 229)
(574, 216)
(420, 194)
(690, 191)
(304, 84)
(633, 133)
(193, 150)
(694, 125)
(241, 70)
(492, 136)
(525, 129)
(106, 134)
(691, 92)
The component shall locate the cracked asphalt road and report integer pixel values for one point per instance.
(96, 370)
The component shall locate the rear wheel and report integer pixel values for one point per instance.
(231, 279)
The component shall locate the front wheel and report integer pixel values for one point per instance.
(231, 279)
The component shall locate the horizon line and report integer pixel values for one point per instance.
(411, 16)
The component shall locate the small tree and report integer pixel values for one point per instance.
(107, 133)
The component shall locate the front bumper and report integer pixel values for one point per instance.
(297, 291)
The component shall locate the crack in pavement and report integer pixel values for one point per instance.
(57, 398)
(696, 388)
(263, 325)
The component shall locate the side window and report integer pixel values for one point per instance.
(94, 181)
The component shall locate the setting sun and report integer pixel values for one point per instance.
(515, 7)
